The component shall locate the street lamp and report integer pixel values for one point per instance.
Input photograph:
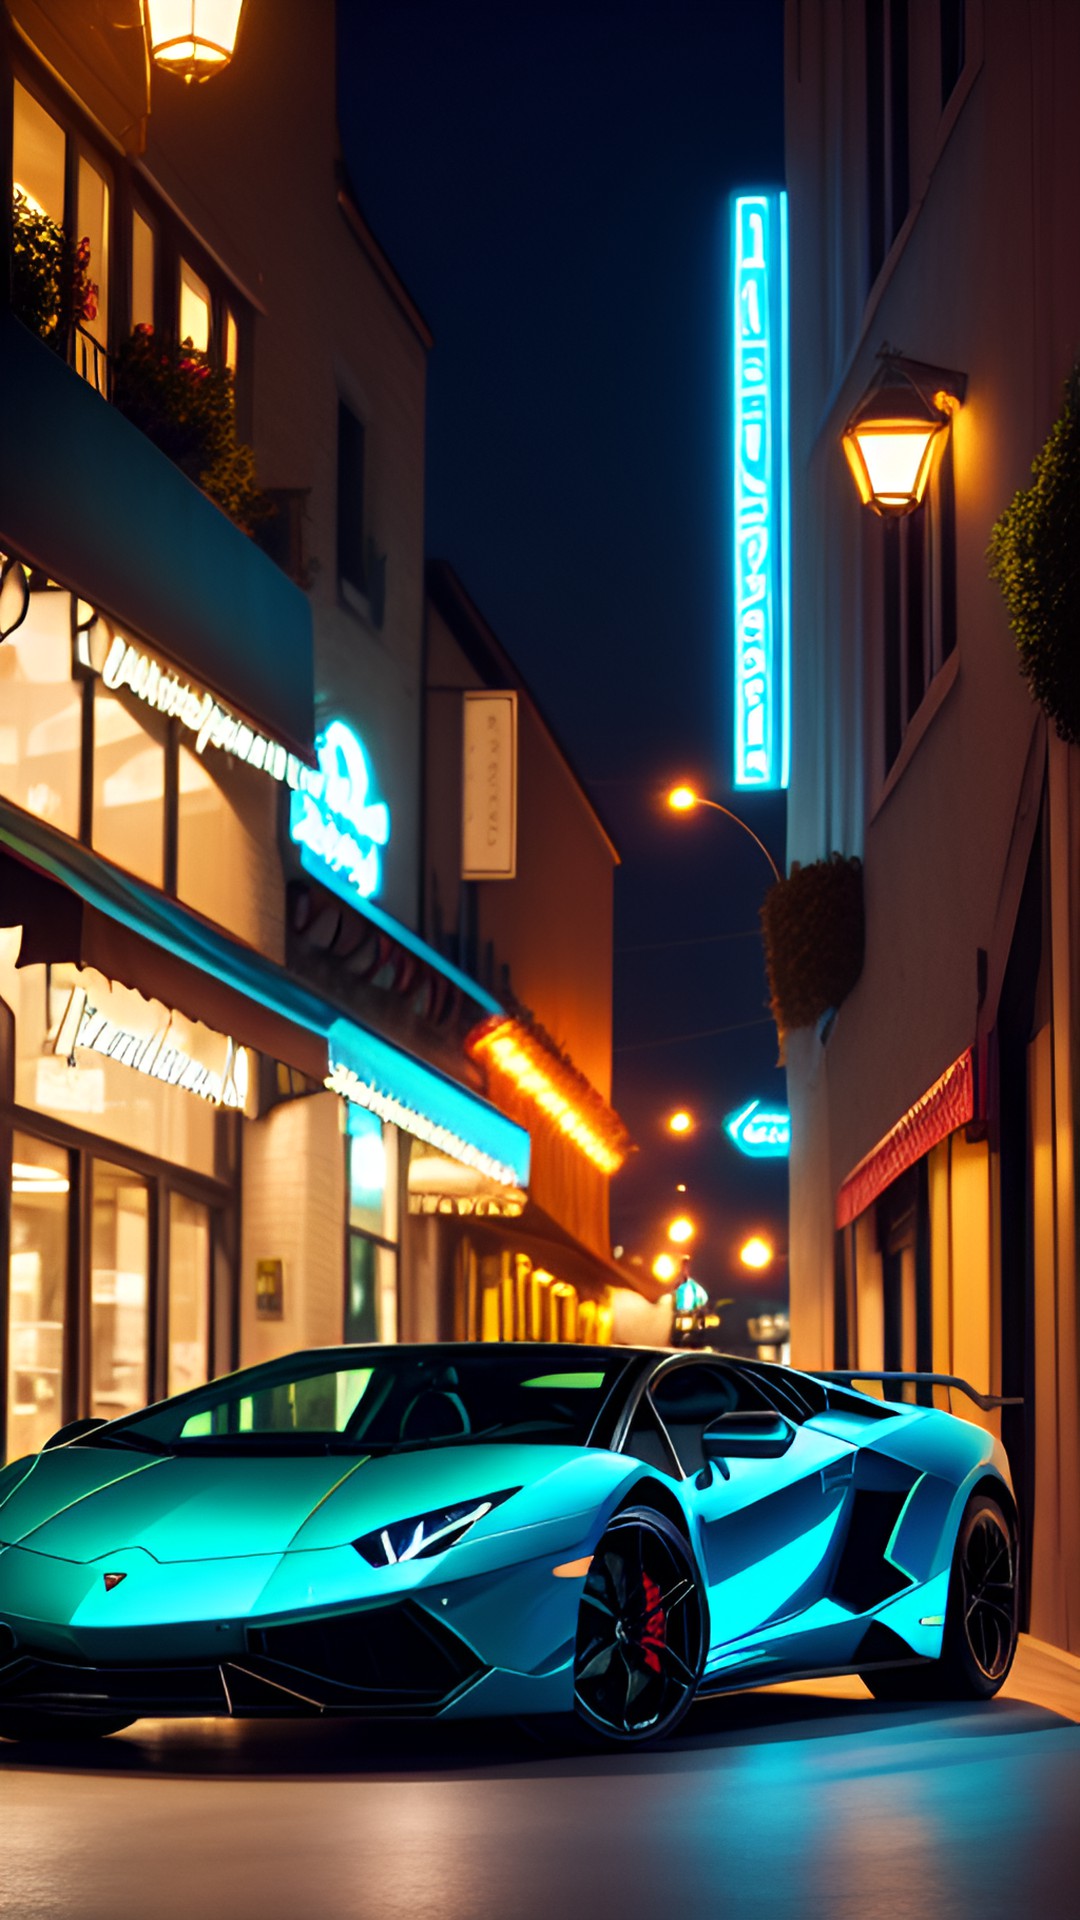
(683, 800)
(681, 1122)
(681, 1230)
(896, 431)
(193, 38)
(756, 1253)
(665, 1267)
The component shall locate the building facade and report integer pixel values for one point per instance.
(933, 161)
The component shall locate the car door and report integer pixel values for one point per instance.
(769, 1527)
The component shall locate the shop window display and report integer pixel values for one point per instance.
(40, 1199)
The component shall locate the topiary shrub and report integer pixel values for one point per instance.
(187, 407)
(815, 931)
(1034, 556)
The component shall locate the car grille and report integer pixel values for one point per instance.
(389, 1659)
(54, 1686)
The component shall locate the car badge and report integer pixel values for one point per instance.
(112, 1580)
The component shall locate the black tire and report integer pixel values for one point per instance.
(641, 1632)
(22, 1723)
(981, 1619)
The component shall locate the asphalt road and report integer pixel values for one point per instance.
(811, 1803)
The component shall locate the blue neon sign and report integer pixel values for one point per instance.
(335, 819)
(761, 490)
(763, 1133)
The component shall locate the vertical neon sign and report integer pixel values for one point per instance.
(762, 609)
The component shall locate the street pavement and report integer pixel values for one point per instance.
(810, 1802)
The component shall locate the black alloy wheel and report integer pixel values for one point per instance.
(25, 1723)
(641, 1632)
(981, 1621)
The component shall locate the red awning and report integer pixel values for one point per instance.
(947, 1105)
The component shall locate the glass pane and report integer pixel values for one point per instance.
(41, 714)
(226, 834)
(230, 342)
(129, 785)
(40, 1182)
(194, 308)
(38, 156)
(142, 272)
(361, 1303)
(367, 1171)
(92, 223)
(189, 1293)
(119, 1292)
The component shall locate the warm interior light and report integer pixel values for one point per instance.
(681, 1230)
(892, 439)
(193, 38)
(755, 1252)
(556, 1088)
(665, 1267)
(681, 799)
(681, 1122)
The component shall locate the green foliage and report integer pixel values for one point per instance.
(51, 287)
(187, 407)
(1034, 556)
(814, 930)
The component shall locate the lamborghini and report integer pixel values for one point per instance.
(447, 1530)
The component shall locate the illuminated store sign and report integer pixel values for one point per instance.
(140, 1038)
(376, 1075)
(335, 819)
(761, 555)
(126, 665)
(763, 1133)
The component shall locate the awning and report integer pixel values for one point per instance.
(548, 1245)
(947, 1105)
(75, 907)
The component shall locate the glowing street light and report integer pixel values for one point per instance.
(896, 432)
(685, 799)
(756, 1252)
(681, 1230)
(681, 1122)
(665, 1267)
(193, 38)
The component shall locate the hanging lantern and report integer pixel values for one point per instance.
(896, 432)
(193, 38)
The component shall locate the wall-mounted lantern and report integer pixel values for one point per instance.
(193, 38)
(898, 430)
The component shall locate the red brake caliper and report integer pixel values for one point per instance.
(654, 1635)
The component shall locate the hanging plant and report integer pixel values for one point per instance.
(814, 931)
(1034, 556)
(187, 407)
(51, 288)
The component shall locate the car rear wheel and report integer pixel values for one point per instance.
(641, 1632)
(981, 1620)
(25, 1724)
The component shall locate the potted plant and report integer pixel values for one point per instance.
(187, 407)
(814, 931)
(51, 288)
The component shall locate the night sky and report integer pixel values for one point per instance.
(551, 181)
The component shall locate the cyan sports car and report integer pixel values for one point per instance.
(470, 1530)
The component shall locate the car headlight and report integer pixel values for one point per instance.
(427, 1533)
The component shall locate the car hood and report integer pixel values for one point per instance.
(78, 1503)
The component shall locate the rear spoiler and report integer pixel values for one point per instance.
(987, 1401)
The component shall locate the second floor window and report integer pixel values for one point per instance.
(919, 601)
(350, 501)
(887, 130)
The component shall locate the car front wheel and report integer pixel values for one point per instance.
(641, 1632)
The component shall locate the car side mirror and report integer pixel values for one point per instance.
(747, 1436)
(74, 1430)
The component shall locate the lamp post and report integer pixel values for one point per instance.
(193, 38)
(897, 430)
(685, 799)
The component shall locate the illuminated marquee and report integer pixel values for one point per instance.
(151, 1046)
(763, 1133)
(762, 612)
(335, 820)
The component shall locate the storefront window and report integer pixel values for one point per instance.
(371, 1302)
(189, 1293)
(225, 830)
(142, 272)
(40, 1195)
(41, 715)
(129, 785)
(194, 308)
(119, 1292)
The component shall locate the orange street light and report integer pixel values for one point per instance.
(665, 1267)
(681, 1122)
(681, 1230)
(756, 1252)
(193, 38)
(684, 799)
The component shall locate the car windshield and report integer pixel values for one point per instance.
(363, 1400)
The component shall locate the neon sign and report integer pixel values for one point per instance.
(335, 820)
(762, 607)
(763, 1133)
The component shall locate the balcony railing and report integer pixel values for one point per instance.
(89, 359)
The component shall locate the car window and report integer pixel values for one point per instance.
(689, 1398)
(646, 1440)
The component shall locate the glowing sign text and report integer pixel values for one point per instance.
(336, 822)
(762, 620)
(764, 1133)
